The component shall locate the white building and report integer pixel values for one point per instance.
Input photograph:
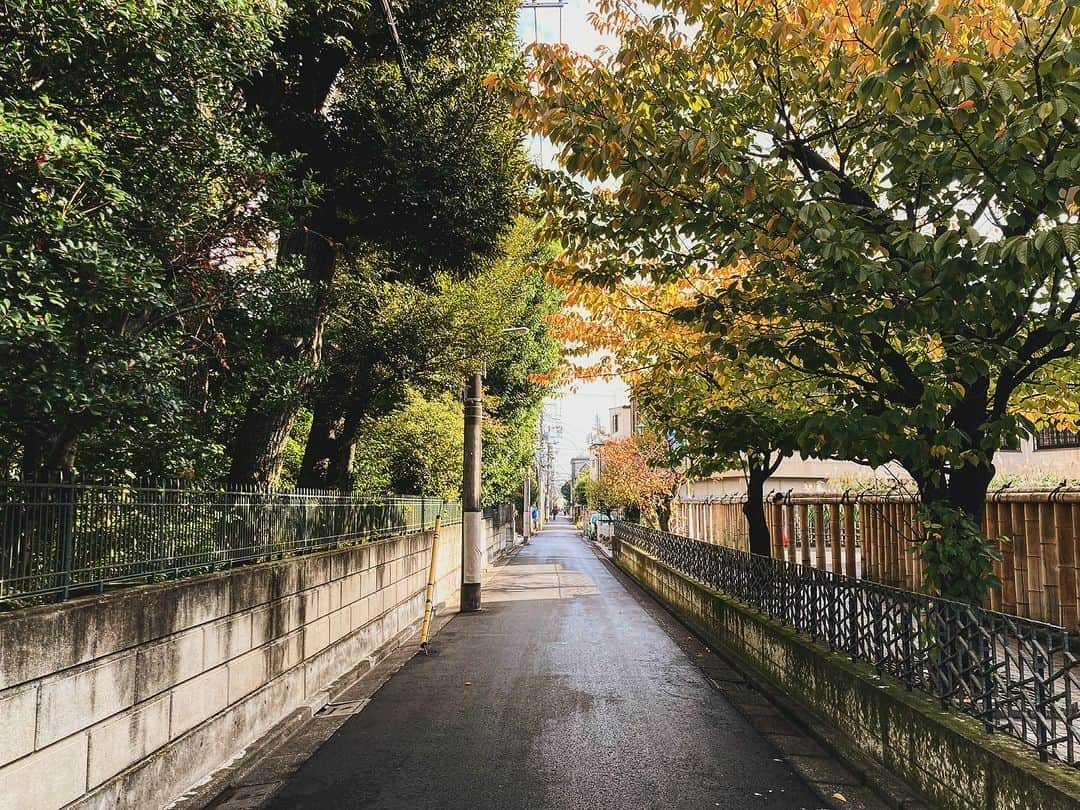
(622, 422)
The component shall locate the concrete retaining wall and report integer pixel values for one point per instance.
(128, 699)
(498, 541)
(946, 757)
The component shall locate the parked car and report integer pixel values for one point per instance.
(599, 525)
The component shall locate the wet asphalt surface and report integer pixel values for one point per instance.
(564, 692)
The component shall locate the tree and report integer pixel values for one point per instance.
(423, 166)
(888, 192)
(394, 335)
(520, 372)
(637, 473)
(226, 222)
(417, 449)
(753, 437)
(581, 487)
(128, 186)
(719, 412)
(388, 335)
(566, 492)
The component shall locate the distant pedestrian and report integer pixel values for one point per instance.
(535, 517)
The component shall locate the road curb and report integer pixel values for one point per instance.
(885, 786)
(241, 772)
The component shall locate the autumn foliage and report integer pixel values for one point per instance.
(873, 203)
(636, 473)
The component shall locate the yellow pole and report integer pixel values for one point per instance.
(429, 605)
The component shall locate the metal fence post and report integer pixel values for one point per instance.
(1040, 706)
(905, 645)
(879, 652)
(853, 624)
(65, 550)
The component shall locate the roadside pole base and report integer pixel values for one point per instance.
(470, 597)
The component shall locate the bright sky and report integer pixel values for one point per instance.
(578, 404)
(576, 30)
(579, 409)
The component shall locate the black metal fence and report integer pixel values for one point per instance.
(500, 514)
(1014, 675)
(64, 539)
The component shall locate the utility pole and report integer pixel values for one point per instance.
(526, 506)
(541, 496)
(471, 526)
(571, 506)
(540, 505)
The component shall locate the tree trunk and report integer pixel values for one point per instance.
(963, 490)
(259, 446)
(754, 511)
(339, 468)
(968, 487)
(663, 514)
(326, 424)
(335, 428)
(45, 458)
(962, 493)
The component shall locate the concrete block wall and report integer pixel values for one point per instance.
(128, 699)
(497, 541)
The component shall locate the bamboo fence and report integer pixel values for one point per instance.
(875, 537)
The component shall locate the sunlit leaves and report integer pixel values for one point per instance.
(885, 191)
(128, 179)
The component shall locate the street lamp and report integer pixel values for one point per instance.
(472, 550)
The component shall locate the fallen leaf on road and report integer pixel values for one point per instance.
(839, 797)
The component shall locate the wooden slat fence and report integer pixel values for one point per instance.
(873, 536)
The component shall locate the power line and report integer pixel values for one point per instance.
(388, 15)
(535, 6)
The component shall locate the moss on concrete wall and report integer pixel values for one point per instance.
(948, 758)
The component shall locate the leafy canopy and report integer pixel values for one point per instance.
(127, 178)
(884, 191)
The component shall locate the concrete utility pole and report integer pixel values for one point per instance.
(571, 505)
(526, 507)
(541, 497)
(540, 491)
(472, 553)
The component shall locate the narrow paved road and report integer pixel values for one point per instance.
(562, 693)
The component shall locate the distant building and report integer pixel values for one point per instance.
(796, 474)
(1052, 454)
(622, 422)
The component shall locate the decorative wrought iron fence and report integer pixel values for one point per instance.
(64, 539)
(1014, 675)
(875, 536)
